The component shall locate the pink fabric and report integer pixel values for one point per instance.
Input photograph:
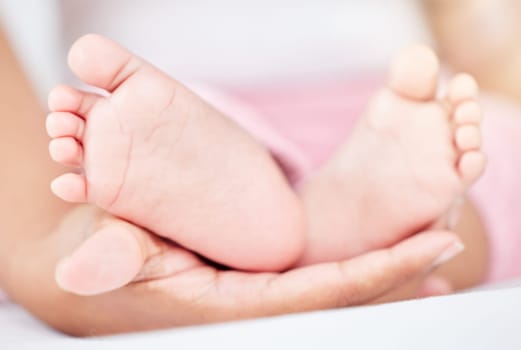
(299, 125)
(498, 193)
(314, 119)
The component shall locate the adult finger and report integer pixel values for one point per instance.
(115, 254)
(348, 283)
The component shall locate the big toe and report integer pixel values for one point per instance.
(462, 87)
(101, 62)
(414, 73)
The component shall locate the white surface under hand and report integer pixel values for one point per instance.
(478, 320)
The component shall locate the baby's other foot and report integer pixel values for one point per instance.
(407, 162)
(153, 153)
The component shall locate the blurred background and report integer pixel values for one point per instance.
(247, 43)
(297, 62)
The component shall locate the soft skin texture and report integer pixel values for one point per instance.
(44, 230)
(404, 167)
(175, 288)
(155, 154)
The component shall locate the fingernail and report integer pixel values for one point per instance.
(449, 253)
(60, 273)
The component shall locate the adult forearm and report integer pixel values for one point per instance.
(28, 211)
(481, 37)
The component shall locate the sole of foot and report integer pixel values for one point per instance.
(153, 153)
(407, 162)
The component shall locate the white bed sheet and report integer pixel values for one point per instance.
(489, 319)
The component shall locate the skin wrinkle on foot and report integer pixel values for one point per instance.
(431, 175)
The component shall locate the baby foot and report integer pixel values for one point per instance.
(405, 164)
(153, 153)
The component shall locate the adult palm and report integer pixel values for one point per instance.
(121, 278)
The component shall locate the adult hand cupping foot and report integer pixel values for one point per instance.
(154, 283)
(121, 278)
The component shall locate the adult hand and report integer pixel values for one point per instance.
(156, 284)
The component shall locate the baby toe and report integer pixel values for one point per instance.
(70, 187)
(66, 151)
(61, 124)
(101, 62)
(468, 137)
(470, 166)
(462, 87)
(64, 98)
(468, 112)
(414, 73)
